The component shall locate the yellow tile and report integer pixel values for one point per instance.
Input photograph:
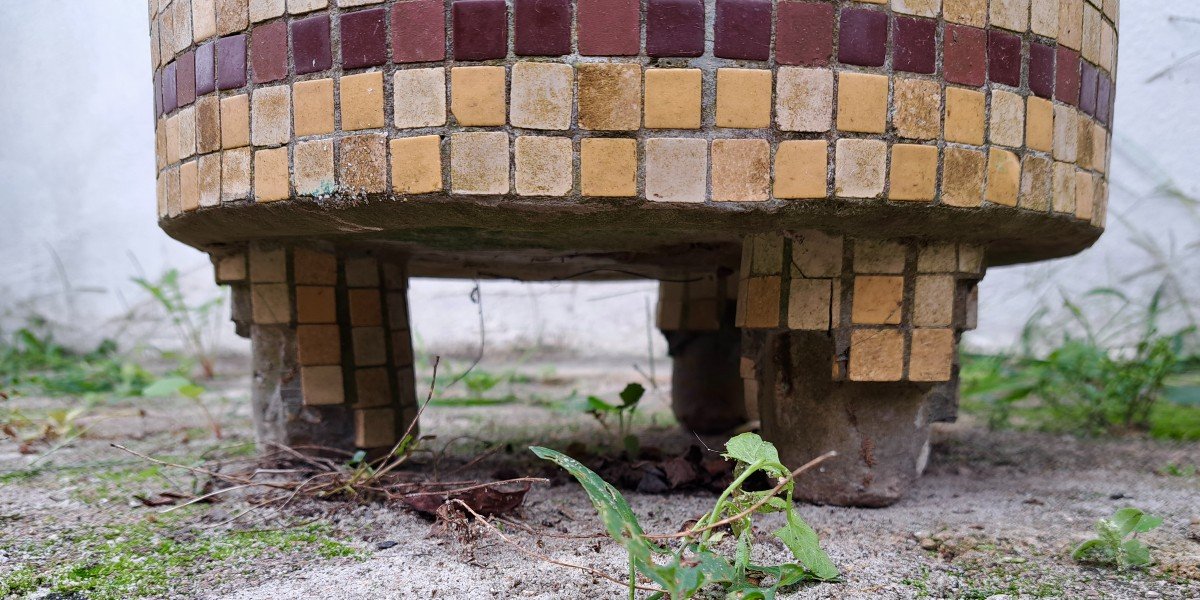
(1007, 119)
(416, 164)
(932, 355)
(802, 169)
(477, 96)
(963, 177)
(1070, 23)
(322, 386)
(362, 101)
(608, 167)
(761, 302)
(966, 12)
(744, 98)
(964, 116)
(933, 301)
(610, 96)
(673, 98)
(374, 428)
(876, 355)
(877, 299)
(313, 107)
(862, 103)
(1039, 124)
(741, 170)
(1037, 176)
(1004, 177)
(189, 186)
(1085, 195)
(914, 172)
(918, 112)
(235, 121)
(1064, 188)
(271, 175)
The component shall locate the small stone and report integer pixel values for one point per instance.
(928, 544)
(385, 545)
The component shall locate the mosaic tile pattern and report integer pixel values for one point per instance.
(1002, 102)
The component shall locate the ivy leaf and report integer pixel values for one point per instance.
(802, 540)
(632, 394)
(1132, 520)
(749, 448)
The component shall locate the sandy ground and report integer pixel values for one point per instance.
(995, 516)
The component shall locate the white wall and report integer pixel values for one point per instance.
(77, 189)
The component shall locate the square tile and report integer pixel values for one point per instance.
(231, 268)
(1043, 18)
(673, 98)
(610, 96)
(271, 175)
(766, 256)
(804, 99)
(920, 8)
(1037, 179)
(210, 179)
(1104, 100)
(802, 169)
(231, 62)
(741, 170)
(232, 16)
(918, 108)
(861, 168)
(311, 44)
(878, 256)
(189, 186)
(170, 88)
(1041, 70)
(171, 139)
(744, 98)
(313, 107)
(761, 302)
(206, 74)
(183, 24)
(541, 95)
(877, 300)
(816, 254)
(296, 7)
(1085, 195)
(964, 116)
(417, 164)
(418, 31)
(966, 12)
(933, 301)
(1066, 78)
(312, 165)
(608, 167)
(914, 173)
(235, 174)
(477, 95)
(419, 98)
(271, 115)
(1004, 58)
(318, 345)
(185, 78)
(269, 52)
(541, 27)
(862, 38)
(804, 33)
(204, 19)
(261, 10)
(809, 302)
(1089, 77)
(1092, 24)
(186, 120)
(674, 28)
(1010, 14)
(676, 169)
(374, 428)
(1004, 177)
(362, 101)
(932, 355)
(310, 267)
(862, 102)
(545, 165)
(361, 272)
(742, 29)
(914, 44)
(1070, 24)
(1066, 133)
(208, 124)
(1064, 188)
(609, 27)
(965, 55)
(1007, 119)
(963, 173)
(479, 163)
(362, 164)
(480, 29)
(938, 258)
(366, 307)
(370, 348)
(322, 386)
(364, 38)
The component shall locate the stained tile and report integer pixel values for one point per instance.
(541, 95)
(1104, 100)
(743, 29)
(804, 33)
(914, 43)
(312, 50)
(1066, 78)
(741, 170)
(1007, 119)
(1004, 58)
(804, 99)
(170, 89)
(261, 10)
(862, 39)
(1041, 70)
(418, 31)
(674, 27)
(966, 12)
(1004, 177)
(965, 50)
(963, 172)
(543, 165)
(1088, 80)
(362, 168)
(231, 62)
(610, 96)
(235, 174)
(861, 168)
(269, 52)
(206, 77)
(232, 16)
(918, 108)
(479, 162)
(932, 355)
(676, 169)
(312, 168)
(271, 115)
(296, 7)
(208, 124)
(541, 27)
(185, 78)
(204, 19)
(1010, 14)
(480, 29)
(364, 38)
(235, 121)
(609, 27)
(419, 97)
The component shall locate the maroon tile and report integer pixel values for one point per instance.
(674, 27)
(914, 45)
(743, 29)
(418, 31)
(609, 27)
(965, 55)
(364, 38)
(269, 52)
(1088, 81)
(158, 104)
(310, 44)
(206, 76)
(185, 78)
(170, 93)
(1004, 57)
(231, 62)
(1041, 69)
(863, 37)
(804, 33)
(480, 29)
(542, 27)
(1066, 78)
(1104, 100)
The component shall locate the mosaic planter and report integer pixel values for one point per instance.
(831, 178)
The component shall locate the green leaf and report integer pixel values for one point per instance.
(802, 540)
(1085, 550)
(596, 404)
(1135, 554)
(166, 387)
(1132, 520)
(191, 390)
(749, 448)
(741, 556)
(632, 394)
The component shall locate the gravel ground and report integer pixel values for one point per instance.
(995, 516)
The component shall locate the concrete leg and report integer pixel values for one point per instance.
(333, 364)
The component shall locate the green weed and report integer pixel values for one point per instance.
(196, 324)
(630, 397)
(31, 361)
(1116, 543)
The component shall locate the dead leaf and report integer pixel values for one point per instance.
(487, 500)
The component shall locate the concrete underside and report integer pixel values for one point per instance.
(555, 238)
